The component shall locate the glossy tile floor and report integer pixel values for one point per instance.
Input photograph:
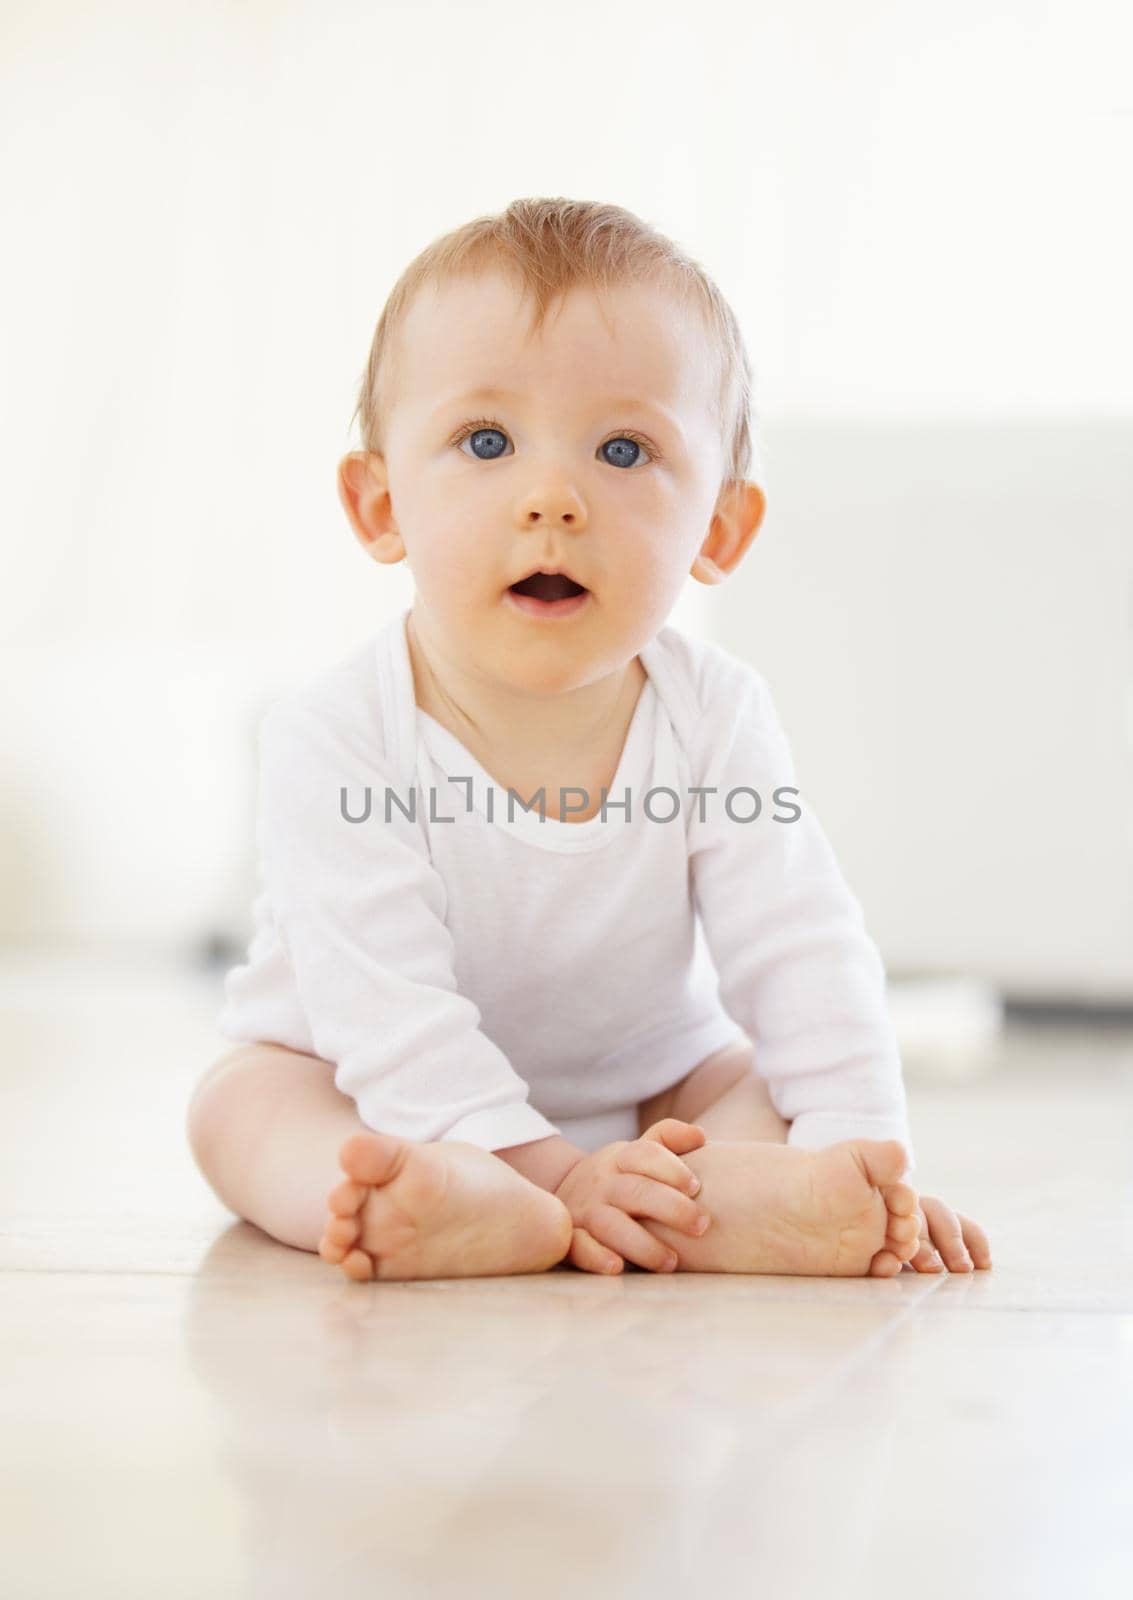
(189, 1409)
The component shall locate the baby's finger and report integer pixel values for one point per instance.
(590, 1256)
(976, 1240)
(680, 1137)
(926, 1258)
(655, 1161)
(614, 1229)
(645, 1197)
(944, 1227)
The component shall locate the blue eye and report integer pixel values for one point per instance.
(623, 443)
(493, 440)
(489, 441)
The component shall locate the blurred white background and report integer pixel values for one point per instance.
(921, 218)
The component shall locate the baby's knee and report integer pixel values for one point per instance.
(225, 1089)
(203, 1114)
(715, 1077)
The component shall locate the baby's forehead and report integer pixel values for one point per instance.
(487, 303)
(625, 341)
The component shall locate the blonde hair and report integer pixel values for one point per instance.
(552, 245)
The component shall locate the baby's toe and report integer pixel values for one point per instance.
(906, 1229)
(903, 1249)
(884, 1265)
(346, 1198)
(343, 1231)
(358, 1266)
(333, 1254)
(900, 1200)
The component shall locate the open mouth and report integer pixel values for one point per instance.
(548, 596)
(548, 586)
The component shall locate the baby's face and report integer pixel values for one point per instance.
(597, 453)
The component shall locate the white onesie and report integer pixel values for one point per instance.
(475, 970)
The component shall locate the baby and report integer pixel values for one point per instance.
(532, 1033)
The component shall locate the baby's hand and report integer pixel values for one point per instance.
(633, 1178)
(962, 1243)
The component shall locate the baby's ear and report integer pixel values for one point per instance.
(735, 523)
(706, 570)
(363, 488)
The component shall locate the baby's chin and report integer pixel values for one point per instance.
(545, 677)
(530, 660)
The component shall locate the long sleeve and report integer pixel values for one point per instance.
(798, 971)
(359, 909)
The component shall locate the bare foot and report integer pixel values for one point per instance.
(444, 1210)
(835, 1213)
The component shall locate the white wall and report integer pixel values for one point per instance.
(945, 616)
(916, 213)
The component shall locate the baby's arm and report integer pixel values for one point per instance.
(545, 1162)
(798, 971)
(359, 912)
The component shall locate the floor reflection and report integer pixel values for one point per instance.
(633, 1436)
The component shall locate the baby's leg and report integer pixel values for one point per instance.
(724, 1095)
(830, 1213)
(270, 1131)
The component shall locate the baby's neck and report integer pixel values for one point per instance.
(574, 738)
